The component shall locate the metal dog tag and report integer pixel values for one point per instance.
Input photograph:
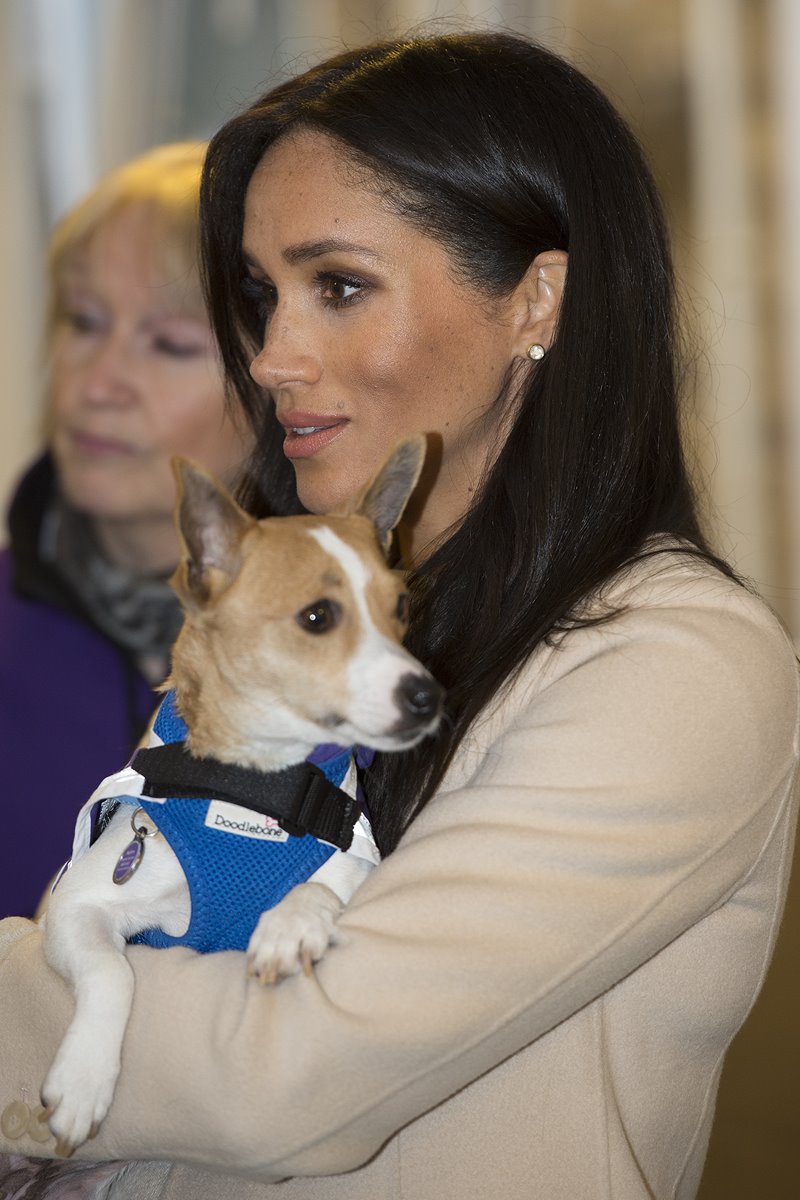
(128, 862)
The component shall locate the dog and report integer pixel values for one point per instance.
(292, 638)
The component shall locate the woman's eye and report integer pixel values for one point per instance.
(261, 296)
(176, 349)
(319, 617)
(83, 321)
(339, 290)
(401, 610)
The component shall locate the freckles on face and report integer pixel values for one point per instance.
(369, 334)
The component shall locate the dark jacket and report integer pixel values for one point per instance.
(72, 704)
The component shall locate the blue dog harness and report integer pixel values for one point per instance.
(237, 862)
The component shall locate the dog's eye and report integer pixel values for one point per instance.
(401, 611)
(319, 617)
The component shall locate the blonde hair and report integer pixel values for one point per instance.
(165, 183)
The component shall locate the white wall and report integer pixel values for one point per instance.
(20, 253)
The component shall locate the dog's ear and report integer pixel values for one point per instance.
(211, 526)
(384, 498)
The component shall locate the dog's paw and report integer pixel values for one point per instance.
(77, 1095)
(294, 934)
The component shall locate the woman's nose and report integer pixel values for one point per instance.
(110, 376)
(284, 357)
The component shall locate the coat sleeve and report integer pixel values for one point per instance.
(621, 791)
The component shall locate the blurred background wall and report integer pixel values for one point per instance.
(710, 86)
(713, 90)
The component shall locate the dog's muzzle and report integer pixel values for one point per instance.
(419, 698)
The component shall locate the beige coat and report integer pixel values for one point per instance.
(536, 990)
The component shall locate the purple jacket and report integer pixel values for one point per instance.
(72, 706)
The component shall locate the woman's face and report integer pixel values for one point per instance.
(135, 379)
(369, 336)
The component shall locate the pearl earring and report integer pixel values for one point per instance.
(536, 352)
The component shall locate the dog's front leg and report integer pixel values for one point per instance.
(84, 944)
(87, 924)
(300, 928)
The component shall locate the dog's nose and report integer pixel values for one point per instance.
(420, 696)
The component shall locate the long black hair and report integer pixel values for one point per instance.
(499, 150)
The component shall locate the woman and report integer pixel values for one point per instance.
(86, 614)
(584, 871)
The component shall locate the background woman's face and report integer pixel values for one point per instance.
(368, 334)
(134, 379)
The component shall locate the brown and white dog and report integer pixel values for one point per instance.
(292, 637)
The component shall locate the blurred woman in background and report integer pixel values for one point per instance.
(87, 616)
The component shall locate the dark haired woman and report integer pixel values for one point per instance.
(585, 870)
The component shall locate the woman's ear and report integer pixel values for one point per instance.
(540, 292)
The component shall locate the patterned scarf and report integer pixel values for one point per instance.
(139, 613)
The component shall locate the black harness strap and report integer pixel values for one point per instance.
(300, 798)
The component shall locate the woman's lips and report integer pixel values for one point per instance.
(308, 433)
(91, 446)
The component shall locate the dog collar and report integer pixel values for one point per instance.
(301, 798)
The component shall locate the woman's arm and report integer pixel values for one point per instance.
(621, 792)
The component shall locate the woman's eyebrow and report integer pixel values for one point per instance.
(304, 251)
(75, 271)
